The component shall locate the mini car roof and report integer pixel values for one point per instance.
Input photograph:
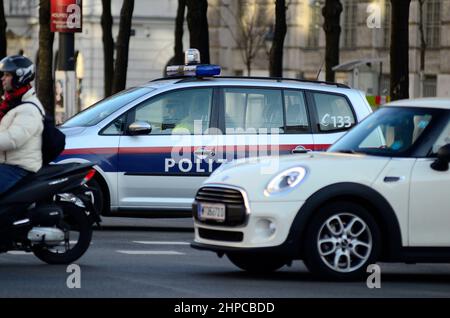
(430, 102)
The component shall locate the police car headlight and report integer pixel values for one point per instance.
(285, 181)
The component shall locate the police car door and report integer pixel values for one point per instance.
(163, 169)
(263, 121)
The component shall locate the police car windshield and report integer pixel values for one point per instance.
(102, 109)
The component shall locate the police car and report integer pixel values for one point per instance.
(153, 145)
(380, 193)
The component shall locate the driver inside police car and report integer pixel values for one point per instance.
(198, 113)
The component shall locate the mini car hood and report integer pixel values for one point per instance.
(323, 169)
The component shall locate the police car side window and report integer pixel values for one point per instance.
(333, 112)
(296, 113)
(117, 127)
(251, 111)
(185, 111)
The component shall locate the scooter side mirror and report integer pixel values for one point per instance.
(443, 159)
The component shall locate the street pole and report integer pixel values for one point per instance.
(66, 53)
(66, 20)
(65, 79)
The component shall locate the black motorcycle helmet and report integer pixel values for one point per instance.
(21, 68)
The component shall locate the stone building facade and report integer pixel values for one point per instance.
(364, 39)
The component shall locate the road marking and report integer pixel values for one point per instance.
(161, 243)
(19, 253)
(150, 252)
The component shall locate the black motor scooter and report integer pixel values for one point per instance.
(50, 213)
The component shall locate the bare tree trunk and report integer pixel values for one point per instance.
(108, 47)
(45, 91)
(3, 44)
(123, 43)
(198, 27)
(423, 48)
(276, 52)
(179, 30)
(331, 13)
(399, 52)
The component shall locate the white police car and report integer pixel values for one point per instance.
(155, 144)
(380, 193)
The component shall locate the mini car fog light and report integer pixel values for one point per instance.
(286, 180)
(272, 227)
(265, 228)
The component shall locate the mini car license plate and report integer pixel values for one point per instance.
(211, 211)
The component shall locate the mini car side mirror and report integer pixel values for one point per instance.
(139, 128)
(443, 158)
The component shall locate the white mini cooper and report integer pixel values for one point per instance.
(380, 193)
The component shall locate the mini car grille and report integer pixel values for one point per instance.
(236, 211)
(220, 195)
(228, 236)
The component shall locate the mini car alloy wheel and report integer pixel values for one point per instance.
(344, 242)
(343, 238)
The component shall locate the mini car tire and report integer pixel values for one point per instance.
(256, 263)
(342, 239)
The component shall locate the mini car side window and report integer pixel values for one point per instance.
(333, 112)
(296, 113)
(185, 111)
(253, 111)
(443, 139)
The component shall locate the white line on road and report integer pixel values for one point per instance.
(161, 243)
(150, 252)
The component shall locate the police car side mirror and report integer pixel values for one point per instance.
(443, 158)
(139, 128)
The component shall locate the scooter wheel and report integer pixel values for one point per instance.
(79, 227)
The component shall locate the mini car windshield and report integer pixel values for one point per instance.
(102, 109)
(390, 131)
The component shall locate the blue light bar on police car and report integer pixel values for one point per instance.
(193, 70)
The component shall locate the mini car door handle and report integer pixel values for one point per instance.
(300, 149)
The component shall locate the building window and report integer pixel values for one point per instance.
(385, 85)
(315, 22)
(429, 86)
(350, 23)
(387, 24)
(432, 23)
(22, 7)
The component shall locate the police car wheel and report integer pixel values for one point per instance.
(99, 197)
(261, 263)
(342, 240)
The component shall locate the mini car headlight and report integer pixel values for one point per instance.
(286, 180)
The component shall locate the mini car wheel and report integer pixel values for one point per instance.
(257, 263)
(342, 239)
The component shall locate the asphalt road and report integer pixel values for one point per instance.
(152, 258)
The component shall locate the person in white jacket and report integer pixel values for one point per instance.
(21, 122)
